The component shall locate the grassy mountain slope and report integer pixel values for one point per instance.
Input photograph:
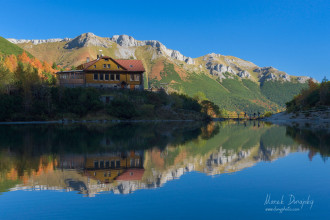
(262, 89)
(8, 48)
(281, 92)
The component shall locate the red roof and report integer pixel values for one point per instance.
(131, 174)
(129, 65)
(86, 65)
(132, 65)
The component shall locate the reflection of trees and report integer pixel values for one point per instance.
(77, 138)
(318, 141)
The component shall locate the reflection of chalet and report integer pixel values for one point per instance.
(71, 162)
(105, 72)
(106, 168)
(131, 175)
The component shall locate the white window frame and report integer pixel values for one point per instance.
(100, 76)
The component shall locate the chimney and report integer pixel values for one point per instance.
(87, 59)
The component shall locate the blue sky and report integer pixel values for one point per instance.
(291, 35)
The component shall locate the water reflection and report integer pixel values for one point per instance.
(122, 158)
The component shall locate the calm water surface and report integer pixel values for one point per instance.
(164, 171)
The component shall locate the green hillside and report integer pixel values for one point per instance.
(8, 48)
(281, 92)
(230, 94)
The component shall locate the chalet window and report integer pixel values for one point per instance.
(137, 77)
(104, 65)
(112, 77)
(131, 66)
(95, 76)
(109, 173)
(95, 66)
(96, 164)
(132, 77)
(101, 76)
(107, 164)
(106, 77)
(117, 77)
(112, 164)
(117, 163)
(105, 174)
(101, 164)
(106, 59)
(118, 66)
(109, 66)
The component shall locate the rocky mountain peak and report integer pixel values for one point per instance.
(128, 41)
(304, 79)
(87, 39)
(125, 41)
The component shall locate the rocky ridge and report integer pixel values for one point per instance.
(36, 41)
(124, 41)
(217, 65)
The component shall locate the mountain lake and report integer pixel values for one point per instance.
(164, 170)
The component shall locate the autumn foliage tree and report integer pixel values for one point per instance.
(10, 67)
(316, 95)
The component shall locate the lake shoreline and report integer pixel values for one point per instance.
(313, 119)
(69, 121)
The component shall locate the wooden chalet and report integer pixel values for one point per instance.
(105, 72)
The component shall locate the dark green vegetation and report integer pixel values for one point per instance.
(40, 102)
(7, 48)
(281, 92)
(315, 96)
(92, 138)
(232, 94)
(317, 141)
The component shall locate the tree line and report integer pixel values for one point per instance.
(317, 95)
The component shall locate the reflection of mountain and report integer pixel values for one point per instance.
(217, 148)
